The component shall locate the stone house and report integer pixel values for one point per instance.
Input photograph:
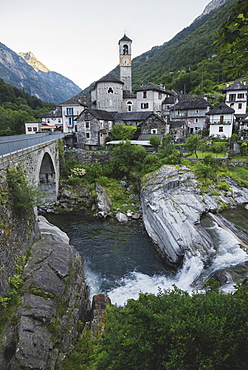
(148, 123)
(149, 97)
(192, 111)
(221, 120)
(178, 130)
(93, 126)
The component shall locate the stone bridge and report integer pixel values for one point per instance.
(39, 155)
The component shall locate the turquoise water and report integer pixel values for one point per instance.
(120, 259)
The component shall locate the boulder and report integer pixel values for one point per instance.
(55, 298)
(103, 201)
(172, 206)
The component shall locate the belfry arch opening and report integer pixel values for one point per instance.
(47, 180)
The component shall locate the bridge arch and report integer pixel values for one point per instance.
(47, 176)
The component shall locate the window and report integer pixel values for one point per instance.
(197, 111)
(34, 128)
(221, 119)
(144, 105)
(196, 120)
(154, 131)
(240, 106)
(129, 106)
(241, 96)
(221, 129)
(110, 90)
(59, 120)
(125, 49)
(69, 111)
(160, 95)
(29, 128)
(144, 94)
(87, 135)
(232, 97)
(87, 124)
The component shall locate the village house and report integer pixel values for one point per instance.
(192, 111)
(71, 110)
(221, 120)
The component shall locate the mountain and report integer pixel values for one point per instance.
(26, 72)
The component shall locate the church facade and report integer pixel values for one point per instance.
(113, 102)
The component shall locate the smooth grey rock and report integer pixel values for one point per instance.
(121, 217)
(172, 207)
(103, 201)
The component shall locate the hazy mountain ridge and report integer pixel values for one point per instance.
(44, 84)
(31, 59)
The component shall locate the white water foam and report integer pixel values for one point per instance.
(136, 282)
(228, 253)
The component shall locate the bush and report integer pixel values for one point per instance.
(175, 330)
(23, 196)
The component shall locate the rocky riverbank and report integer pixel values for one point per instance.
(172, 206)
(54, 297)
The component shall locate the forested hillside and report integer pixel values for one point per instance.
(188, 62)
(18, 107)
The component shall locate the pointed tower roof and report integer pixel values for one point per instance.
(125, 38)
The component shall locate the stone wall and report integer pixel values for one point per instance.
(88, 157)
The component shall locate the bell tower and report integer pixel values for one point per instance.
(125, 62)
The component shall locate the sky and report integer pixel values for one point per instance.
(79, 39)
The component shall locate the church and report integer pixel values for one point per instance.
(113, 102)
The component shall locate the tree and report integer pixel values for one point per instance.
(120, 132)
(155, 141)
(233, 33)
(177, 330)
(127, 158)
(193, 143)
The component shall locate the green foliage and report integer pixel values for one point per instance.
(23, 196)
(128, 159)
(175, 330)
(120, 132)
(233, 34)
(193, 143)
(18, 107)
(155, 141)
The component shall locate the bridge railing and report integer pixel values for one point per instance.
(10, 144)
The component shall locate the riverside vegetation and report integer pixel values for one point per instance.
(170, 330)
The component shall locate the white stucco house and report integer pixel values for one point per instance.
(221, 119)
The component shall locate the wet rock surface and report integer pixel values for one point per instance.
(172, 206)
(44, 327)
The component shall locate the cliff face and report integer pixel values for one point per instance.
(44, 327)
(34, 78)
(172, 206)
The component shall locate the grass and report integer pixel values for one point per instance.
(202, 155)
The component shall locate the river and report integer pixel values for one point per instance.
(120, 259)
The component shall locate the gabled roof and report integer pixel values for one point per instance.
(55, 113)
(134, 116)
(222, 108)
(98, 114)
(191, 102)
(124, 38)
(237, 85)
(73, 101)
(152, 87)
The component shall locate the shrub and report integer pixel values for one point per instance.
(23, 196)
